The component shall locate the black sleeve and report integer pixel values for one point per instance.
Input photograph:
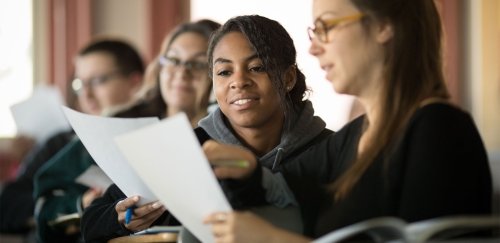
(446, 165)
(100, 221)
(201, 135)
(244, 194)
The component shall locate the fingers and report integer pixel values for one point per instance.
(122, 205)
(145, 215)
(215, 218)
(90, 195)
(147, 208)
(222, 172)
(221, 226)
(238, 163)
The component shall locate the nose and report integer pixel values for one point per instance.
(315, 49)
(182, 72)
(239, 81)
(86, 89)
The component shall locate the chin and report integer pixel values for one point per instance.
(339, 88)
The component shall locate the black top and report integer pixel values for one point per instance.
(438, 167)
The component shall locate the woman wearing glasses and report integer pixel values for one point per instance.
(413, 155)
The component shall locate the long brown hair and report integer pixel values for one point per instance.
(413, 73)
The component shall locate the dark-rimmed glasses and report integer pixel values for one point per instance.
(321, 27)
(78, 84)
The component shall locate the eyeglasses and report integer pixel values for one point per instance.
(321, 27)
(192, 66)
(78, 84)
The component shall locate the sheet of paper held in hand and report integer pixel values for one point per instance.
(94, 177)
(168, 157)
(40, 115)
(97, 134)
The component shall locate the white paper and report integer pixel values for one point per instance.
(94, 177)
(169, 158)
(96, 134)
(40, 116)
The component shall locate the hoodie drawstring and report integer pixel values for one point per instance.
(277, 159)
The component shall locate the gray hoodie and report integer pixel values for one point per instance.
(303, 129)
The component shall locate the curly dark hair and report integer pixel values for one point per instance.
(275, 48)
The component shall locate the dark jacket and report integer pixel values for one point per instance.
(16, 200)
(57, 193)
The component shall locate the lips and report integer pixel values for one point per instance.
(243, 99)
(243, 102)
(326, 67)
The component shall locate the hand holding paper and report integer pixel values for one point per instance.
(168, 157)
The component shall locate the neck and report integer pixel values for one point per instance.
(372, 104)
(260, 140)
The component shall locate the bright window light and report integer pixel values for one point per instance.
(16, 68)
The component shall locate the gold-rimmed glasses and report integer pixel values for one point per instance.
(321, 27)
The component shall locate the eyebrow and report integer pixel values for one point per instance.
(224, 60)
(328, 13)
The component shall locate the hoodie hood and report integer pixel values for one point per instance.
(304, 127)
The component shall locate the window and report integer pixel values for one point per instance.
(16, 68)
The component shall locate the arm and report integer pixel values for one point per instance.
(446, 169)
(102, 222)
(246, 227)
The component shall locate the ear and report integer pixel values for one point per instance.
(290, 78)
(384, 32)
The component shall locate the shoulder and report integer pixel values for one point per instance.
(441, 118)
(350, 132)
(443, 132)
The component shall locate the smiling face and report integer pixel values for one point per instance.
(351, 57)
(242, 87)
(184, 81)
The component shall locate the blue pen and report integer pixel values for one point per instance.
(128, 214)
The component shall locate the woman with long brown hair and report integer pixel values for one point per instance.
(414, 155)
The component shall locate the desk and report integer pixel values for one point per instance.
(160, 237)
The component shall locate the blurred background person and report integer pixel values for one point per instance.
(108, 75)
